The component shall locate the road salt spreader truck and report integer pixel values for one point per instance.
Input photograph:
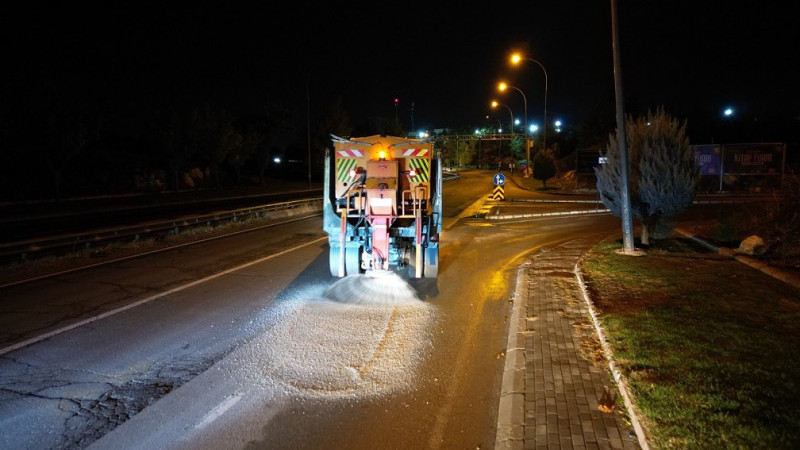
(382, 206)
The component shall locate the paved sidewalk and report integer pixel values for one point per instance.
(557, 387)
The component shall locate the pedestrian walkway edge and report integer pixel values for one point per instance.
(511, 410)
(609, 356)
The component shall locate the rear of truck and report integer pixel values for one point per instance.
(383, 206)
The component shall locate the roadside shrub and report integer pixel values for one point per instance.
(782, 223)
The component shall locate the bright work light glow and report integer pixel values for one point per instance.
(276, 160)
(534, 128)
(728, 112)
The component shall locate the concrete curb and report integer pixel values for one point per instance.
(537, 200)
(776, 273)
(622, 385)
(511, 410)
(550, 214)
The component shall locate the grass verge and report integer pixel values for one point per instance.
(709, 346)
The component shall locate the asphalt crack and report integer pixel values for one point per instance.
(93, 404)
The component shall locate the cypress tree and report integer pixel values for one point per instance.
(663, 175)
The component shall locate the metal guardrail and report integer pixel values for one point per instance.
(21, 250)
(447, 176)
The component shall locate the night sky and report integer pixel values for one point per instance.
(131, 58)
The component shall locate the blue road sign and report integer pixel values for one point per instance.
(499, 179)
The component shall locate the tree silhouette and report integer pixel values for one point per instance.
(336, 121)
(64, 135)
(544, 166)
(211, 135)
(265, 129)
(663, 173)
(242, 147)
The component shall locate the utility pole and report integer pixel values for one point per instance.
(627, 220)
(412, 117)
(308, 123)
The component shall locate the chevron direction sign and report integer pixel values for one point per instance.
(499, 193)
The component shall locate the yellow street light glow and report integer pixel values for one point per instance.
(516, 58)
(502, 86)
(494, 104)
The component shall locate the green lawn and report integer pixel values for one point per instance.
(709, 347)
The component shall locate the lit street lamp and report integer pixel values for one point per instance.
(502, 87)
(495, 105)
(515, 59)
(511, 145)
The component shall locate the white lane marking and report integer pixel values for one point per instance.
(151, 298)
(218, 411)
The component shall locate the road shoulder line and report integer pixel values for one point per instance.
(89, 320)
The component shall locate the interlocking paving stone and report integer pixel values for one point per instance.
(563, 384)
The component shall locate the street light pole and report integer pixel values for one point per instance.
(511, 125)
(499, 125)
(308, 124)
(515, 58)
(495, 105)
(500, 142)
(502, 87)
(458, 156)
(627, 214)
(396, 102)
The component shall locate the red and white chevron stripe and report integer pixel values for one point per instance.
(415, 152)
(350, 153)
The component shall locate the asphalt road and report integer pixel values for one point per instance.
(233, 344)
